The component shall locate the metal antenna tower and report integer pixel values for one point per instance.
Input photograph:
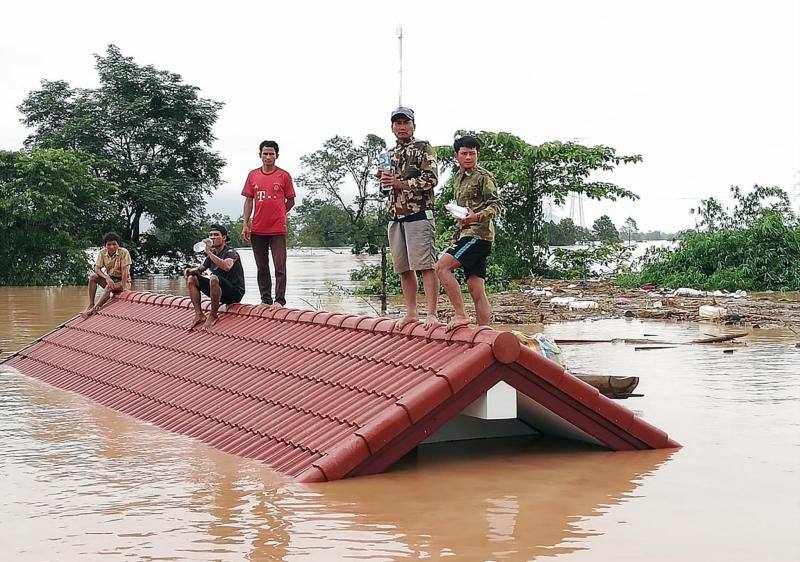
(400, 72)
(576, 200)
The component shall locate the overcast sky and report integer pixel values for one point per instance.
(707, 92)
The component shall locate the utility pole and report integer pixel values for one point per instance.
(400, 72)
(384, 263)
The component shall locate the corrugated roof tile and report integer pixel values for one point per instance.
(315, 395)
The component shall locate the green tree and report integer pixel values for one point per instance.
(52, 208)
(340, 163)
(563, 233)
(526, 174)
(322, 223)
(147, 131)
(604, 230)
(754, 246)
(748, 208)
(629, 228)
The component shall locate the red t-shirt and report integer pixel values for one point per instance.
(269, 192)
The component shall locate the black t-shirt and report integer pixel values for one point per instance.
(235, 275)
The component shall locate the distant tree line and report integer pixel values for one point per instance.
(567, 233)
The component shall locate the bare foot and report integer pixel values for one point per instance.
(431, 321)
(198, 319)
(405, 320)
(210, 321)
(276, 306)
(264, 304)
(88, 311)
(456, 323)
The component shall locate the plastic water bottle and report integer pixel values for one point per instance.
(384, 162)
(385, 165)
(200, 246)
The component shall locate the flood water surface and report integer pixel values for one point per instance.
(81, 482)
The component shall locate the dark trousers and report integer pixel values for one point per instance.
(262, 245)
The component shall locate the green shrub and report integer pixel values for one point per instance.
(764, 255)
(370, 278)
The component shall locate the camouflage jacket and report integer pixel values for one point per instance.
(476, 189)
(415, 163)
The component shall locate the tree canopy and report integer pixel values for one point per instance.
(52, 208)
(604, 230)
(753, 246)
(146, 131)
(526, 176)
(327, 171)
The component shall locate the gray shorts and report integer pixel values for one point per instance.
(413, 245)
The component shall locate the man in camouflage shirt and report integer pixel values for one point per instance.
(409, 186)
(473, 188)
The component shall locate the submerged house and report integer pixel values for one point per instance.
(320, 396)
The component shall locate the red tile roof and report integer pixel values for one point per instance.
(315, 395)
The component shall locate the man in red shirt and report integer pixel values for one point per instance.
(269, 194)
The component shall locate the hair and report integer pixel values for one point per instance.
(268, 144)
(111, 237)
(466, 142)
(219, 228)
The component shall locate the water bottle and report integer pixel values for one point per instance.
(385, 165)
(384, 162)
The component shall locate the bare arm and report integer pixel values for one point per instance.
(248, 211)
(289, 204)
(224, 265)
(193, 270)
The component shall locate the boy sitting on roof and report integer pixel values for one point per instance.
(111, 271)
(473, 188)
(225, 284)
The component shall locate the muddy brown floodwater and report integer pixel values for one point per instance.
(81, 482)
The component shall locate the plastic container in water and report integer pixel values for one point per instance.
(710, 311)
(582, 305)
(457, 210)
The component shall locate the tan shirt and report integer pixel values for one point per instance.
(116, 264)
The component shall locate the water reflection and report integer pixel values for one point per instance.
(110, 481)
(502, 500)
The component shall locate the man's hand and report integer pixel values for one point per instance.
(208, 245)
(471, 218)
(246, 233)
(189, 271)
(388, 180)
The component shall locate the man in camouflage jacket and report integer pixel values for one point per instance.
(409, 187)
(475, 189)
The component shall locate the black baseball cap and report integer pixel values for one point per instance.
(222, 230)
(403, 112)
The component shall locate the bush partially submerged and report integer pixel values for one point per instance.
(755, 247)
(370, 277)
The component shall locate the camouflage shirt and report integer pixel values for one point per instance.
(476, 189)
(414, 163)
